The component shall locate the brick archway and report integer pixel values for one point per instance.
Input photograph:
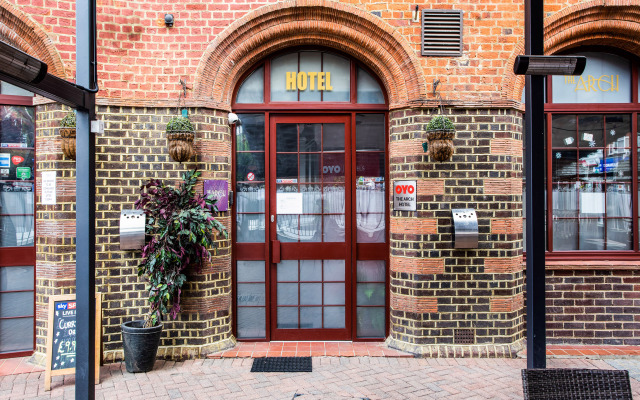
(582, 25)
(19, 30)
(295, 23)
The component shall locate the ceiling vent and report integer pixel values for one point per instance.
(442, 33)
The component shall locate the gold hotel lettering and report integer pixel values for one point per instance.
(605, 83)
(302, 80)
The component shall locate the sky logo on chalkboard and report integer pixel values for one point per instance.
(66, 306)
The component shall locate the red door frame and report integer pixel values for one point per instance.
(21, 256)
(311, 251)
(262, 251)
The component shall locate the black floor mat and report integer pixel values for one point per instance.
(281, 364)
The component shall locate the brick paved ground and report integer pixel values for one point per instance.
(332, 378)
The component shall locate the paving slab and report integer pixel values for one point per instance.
(332, 378)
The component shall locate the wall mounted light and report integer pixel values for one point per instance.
(20, 65)
(549, 65)
(416, 14)
(168, 20)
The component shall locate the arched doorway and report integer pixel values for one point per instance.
(311, 237)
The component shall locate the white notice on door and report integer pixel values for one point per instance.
(289, 203)
(48, 181)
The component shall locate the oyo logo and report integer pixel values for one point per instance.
(404, 189)
(331, 169)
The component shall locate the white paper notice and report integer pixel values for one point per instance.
(289, 203)
(591, 203)
(48, 181)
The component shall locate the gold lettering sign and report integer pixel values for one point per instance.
(605, 83)
(309, 80)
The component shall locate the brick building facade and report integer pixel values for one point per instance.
(433, 293)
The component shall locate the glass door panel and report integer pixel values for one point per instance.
(251, 290)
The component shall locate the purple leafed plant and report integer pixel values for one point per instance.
(183, 230)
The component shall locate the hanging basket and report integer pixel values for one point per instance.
(68, 142)
(181, 145)
(440, 143)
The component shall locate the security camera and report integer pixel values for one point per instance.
(233, 118)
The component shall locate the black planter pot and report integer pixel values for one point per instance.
(140, 345)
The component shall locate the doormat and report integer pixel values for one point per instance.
(281, 364)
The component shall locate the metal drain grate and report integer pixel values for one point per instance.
(464, 336)
(281, 364)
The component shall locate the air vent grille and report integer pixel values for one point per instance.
(464, 336)
(442, 33)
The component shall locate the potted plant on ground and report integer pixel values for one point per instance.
(180, 135)
(68, 134)
(440, 134)
(183, 232)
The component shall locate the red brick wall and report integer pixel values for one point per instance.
(212, 44)
(593, 306)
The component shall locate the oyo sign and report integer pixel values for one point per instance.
(405, 194)
(331, 169)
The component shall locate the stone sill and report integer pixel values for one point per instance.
(615, 265)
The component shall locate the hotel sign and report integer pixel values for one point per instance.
(589, 83)
(405, 194)
(606, 79)
(311, 80)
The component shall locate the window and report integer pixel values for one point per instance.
(591, 151)
(309, 76)
(17, 230)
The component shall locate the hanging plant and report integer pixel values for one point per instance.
(440, 133)
(68, 134)
(180, 135)
(180, 132)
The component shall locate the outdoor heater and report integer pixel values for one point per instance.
(549, 65)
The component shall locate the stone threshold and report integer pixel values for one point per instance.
(310, 349)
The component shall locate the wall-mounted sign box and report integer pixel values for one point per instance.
(132, 229)
(405, 194)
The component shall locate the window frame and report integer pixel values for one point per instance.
(633, 110)
(17, 255)
(268, 105)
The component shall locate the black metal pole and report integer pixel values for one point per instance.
(85, 205)
(535, 196)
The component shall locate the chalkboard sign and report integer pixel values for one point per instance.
(63, 351)
(61, 337)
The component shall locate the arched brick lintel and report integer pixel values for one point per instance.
(310, 22)
(585, 24)
(19, 30)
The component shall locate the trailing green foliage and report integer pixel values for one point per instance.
(183, 229)
(440, 122)
(180, 124)
(69, 120)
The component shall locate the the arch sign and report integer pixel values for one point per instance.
(405, 194)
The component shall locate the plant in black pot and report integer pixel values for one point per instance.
(183, 233)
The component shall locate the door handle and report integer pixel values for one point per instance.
(275, 251)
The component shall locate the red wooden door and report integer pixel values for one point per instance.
(17, 229)
(310, 227)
